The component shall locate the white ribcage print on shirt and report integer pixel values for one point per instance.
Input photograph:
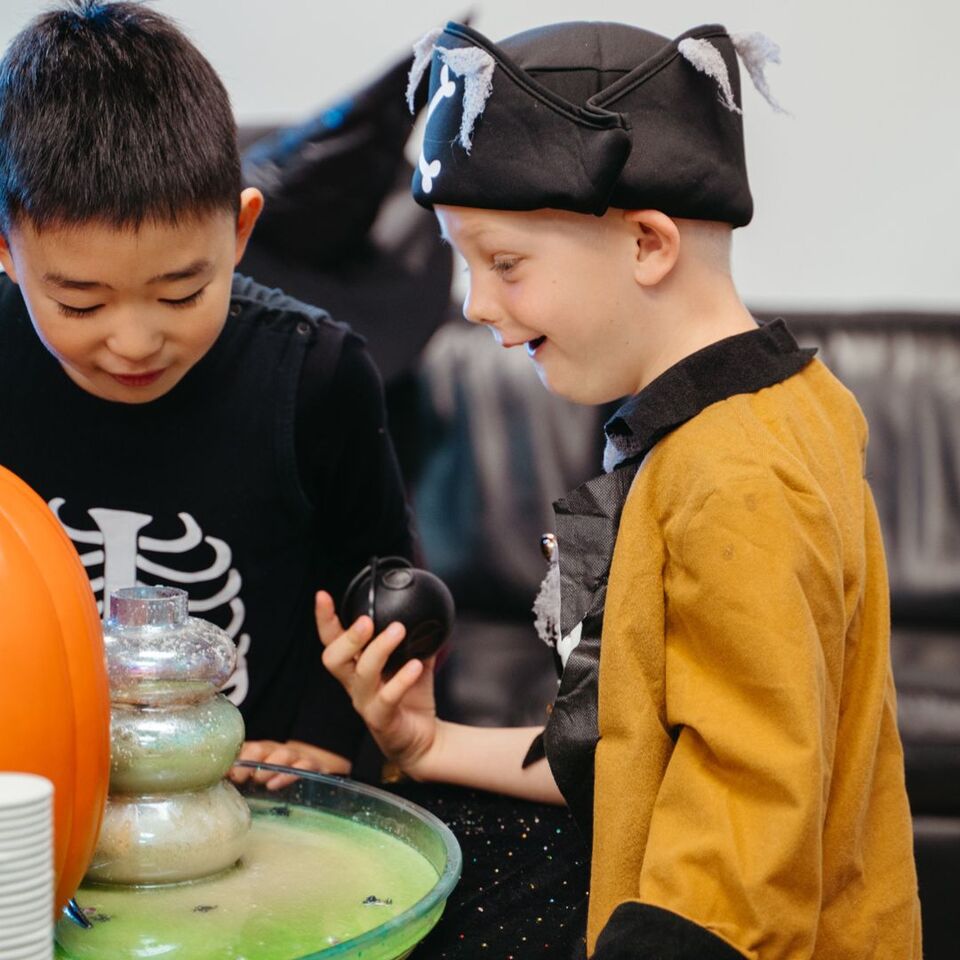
(122, 548)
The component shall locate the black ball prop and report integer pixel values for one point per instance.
(390, 589)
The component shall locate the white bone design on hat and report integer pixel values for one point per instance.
(755, 50)
(430, 169)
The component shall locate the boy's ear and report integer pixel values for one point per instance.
(657, 240)
(6, 258)
(251, 204)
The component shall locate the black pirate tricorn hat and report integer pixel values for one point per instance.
(586, 116)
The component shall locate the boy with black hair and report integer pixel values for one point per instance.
(187, 425)
(725, 726)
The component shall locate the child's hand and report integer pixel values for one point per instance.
(400, 712)
(293, 753)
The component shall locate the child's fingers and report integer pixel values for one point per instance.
(328, 623)
(285, 779)
(239, 774)
(281, 756)
(383, 709)
(374, 657)
(397, 687)
(255, 750)
(340, 653)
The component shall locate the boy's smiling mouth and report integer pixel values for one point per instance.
(138, 379)
(534, 345)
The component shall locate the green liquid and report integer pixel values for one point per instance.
(308, 881)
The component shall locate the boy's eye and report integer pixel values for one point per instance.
(185, 301)
(69, 311)
(504, 265)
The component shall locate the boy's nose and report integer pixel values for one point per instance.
(477, 309)
(134, 342)
(470, 313)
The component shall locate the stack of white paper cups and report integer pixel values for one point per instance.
(26, 867)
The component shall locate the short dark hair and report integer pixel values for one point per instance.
(109, 113)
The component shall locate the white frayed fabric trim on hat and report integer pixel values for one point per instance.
(476, 66)
(756, 50)
(708, 59)
(422, 55)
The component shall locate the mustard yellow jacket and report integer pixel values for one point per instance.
(749, 773)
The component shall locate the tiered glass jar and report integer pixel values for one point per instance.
(171, 816)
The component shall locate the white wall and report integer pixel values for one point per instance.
(857, 193)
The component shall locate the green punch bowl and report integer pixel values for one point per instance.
(333, 870)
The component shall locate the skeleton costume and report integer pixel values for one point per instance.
(724, 731)
(263, 475)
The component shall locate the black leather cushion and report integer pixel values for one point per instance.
(904, 370)
(937, 850)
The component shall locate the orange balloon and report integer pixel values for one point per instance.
(54, 696)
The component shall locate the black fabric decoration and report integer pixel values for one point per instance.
(324, 180)
(637, 930)
(339, 228)
(586, 116)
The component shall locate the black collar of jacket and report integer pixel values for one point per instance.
(587, 518)
(744, 363)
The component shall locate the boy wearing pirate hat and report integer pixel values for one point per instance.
(725, 726)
